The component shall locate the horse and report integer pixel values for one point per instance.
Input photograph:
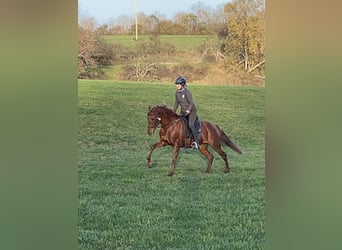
(172, 133)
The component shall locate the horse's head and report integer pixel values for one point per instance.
(152, 120)
(159, 115)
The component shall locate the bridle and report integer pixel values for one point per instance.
(155, 125)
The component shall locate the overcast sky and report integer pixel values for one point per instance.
(106, 10)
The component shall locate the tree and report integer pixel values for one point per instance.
(152, 25)
(245, 43)
(166, 27)
(204, 16)
(124, 23)
(188, 21)
(86, 48)
(93, 51)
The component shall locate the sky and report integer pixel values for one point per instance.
(105, 10)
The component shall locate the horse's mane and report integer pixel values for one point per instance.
(166, 109)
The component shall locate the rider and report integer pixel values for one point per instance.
(183, 98)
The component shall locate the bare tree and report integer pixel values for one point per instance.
(86, 48)
(93, 51)
(125, 22)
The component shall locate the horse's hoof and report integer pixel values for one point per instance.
(227, 171)
(207, 171)
(170, 174)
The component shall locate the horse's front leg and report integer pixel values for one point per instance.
(153, 147)
(174, 159)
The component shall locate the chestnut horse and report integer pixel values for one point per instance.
(172, 133)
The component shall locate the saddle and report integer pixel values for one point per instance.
(187, 129)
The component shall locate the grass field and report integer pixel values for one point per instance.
(123, 204)
(181, 42)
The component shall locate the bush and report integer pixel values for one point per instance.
(156, 47)
(190, 72)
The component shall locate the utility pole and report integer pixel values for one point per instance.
(136, 20)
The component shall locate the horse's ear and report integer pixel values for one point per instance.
(149, 107)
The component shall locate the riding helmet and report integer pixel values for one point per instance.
(180, 80)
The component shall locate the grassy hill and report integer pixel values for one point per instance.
(187, 60)
(181, 42)
(123, 204)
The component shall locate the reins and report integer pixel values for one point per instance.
(171, 122)
(168, 124)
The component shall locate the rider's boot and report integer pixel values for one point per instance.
(196, 135)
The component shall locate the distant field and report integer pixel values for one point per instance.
(181, 42)
(123, 204)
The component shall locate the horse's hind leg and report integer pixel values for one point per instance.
(219, 150)
(204, 150)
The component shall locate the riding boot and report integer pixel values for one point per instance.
(196, 135)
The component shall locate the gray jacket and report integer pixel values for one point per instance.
(184, 99)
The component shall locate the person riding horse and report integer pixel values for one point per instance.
(183, 98)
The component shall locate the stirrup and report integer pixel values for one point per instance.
(194, 145)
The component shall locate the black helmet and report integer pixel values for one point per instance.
(180, 80)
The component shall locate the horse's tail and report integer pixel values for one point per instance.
(230, 144)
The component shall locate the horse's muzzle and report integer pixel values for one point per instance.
(150, 131)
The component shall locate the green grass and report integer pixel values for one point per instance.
(123, 204)
(181, 42)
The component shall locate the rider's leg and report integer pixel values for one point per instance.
(192, 119)
(195, 144)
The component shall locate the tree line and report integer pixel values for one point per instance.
(201, 20)
(239, 26)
